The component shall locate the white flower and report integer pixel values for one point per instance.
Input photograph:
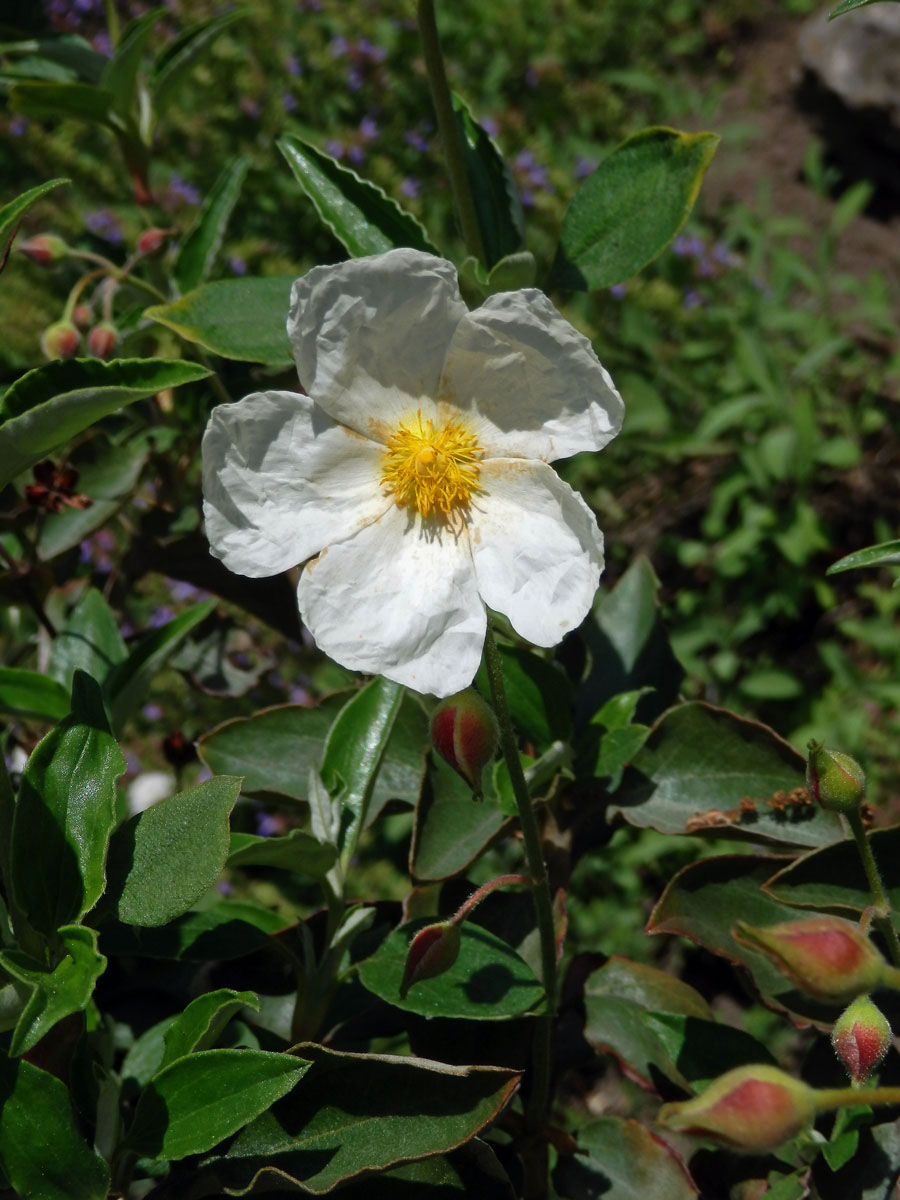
(412, 480)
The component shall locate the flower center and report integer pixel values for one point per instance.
(431, 469)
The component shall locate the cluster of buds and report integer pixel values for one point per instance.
(464, 732)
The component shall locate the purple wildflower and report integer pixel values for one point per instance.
(293, 66)
(618, 291)
(411, 187)
(335, 148)
(585, 167)
(162, 616)
(289, 102)
(236, 264)
(368, 128)
(417, 140)
(18, 125)
(105, 224)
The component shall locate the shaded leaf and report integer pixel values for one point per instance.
(201, 245)
(12, 213)
(363, 218)
(198, 1027)
(884, 554)
(120, 73)
(620, 1159)
(451, 829)
(244, 319)
(539, 695)
(295, 851)
(627, 212)
(179, 56)
(89, 641)
(30, 694)
(494, 192)
(64, 101)
(833, 879)
(227, 930)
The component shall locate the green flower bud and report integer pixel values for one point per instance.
(836, 780)
(751, 1108)
(433, 950)
(861, 1038)
(464, 732)
(827, 957)
(60, 340)
(45, 248)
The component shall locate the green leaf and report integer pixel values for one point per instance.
(847, 6)
(620, 1159)
(884, 554)
(199, 1026)
(451, 829)
(41, 1151)
(12, 213)
(472, 1170)
(68, 50)
(89, 641)
(129, 679)
(363, 218)
(494, 192)
(58, 993)
(738, 761)
(228, 930)
(120, 74)
(295, 851)
(360, 1113)
(628, 211)
(65, 101)
(47, 407)
(199, 249)
(65, 813)
(244, 319)
(194, 1103)
(354, 751)
(163, 859)
(488, 981)
(31, 694)
(833, 880)
(539, 695)
(177, 59)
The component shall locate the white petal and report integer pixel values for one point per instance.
(370, 336)
(281, 480)
(394, 600)
(532, 383)
(537, 549)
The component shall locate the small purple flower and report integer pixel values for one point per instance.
(585, 167)
(250, 108)
(105, 224)
(299, 695)
(224, 888)
(182, 591)
(236, 264)
(153, 712)
(691, 300)
(18, 125)
(354, 79)
(179, 190)
(102, 43)
(339, 47)
(132, 763)
(268, 825)
(411, 187)
(618, 291)
(368, 128)
(417, 140)
(293, 66)
(490, 126)
(162, 616)
(688, 247)
(335, 148)
(356, 155)
(289, 102)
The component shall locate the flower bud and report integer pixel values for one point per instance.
(827, 957)
(433, 950)
(60, 340)
(464, 732)
(861, 1038)
(151, 241)
(83, 315)
(836, 780)
(102, 340)
(750, 1108)
(45, 248)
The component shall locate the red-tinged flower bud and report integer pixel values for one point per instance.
(60, 340)
(45, 248)
(827, 957)
(102, 340)
(836, 780)
(861, 1038)
(433, 950)
(83, 315)
(464, 732)
(750, 1108)
(151, 241)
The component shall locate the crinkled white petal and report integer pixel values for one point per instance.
(281, 480)
(537, 549)
(399, 601)
(370, 336)
(532, 384)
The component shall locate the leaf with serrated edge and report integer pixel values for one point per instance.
(200, 247)
(12, 213)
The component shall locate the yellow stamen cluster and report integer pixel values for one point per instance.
(431, 469)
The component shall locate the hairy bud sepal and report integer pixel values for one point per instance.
(432, 951)
(826, 957)
(835, 780)
(861, 1038)
(752, 1108)
(464, 732)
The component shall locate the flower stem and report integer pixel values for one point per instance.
(536, 1108)
(828, 1098)
(881, 919)
(449, 130)
(476, 898)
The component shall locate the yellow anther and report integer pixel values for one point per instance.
(429, 469)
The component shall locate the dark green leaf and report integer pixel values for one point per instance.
(199, 249)
(628, 211)
(451, 828)
(120, 74)
(295, 851)
(539, 695)
(47, 407)
(195, 1102)
(65, 101)
(833, 879)
(31, 694)
(245, 319)
(620, 1159)
(739, 761)
(488, 981)
(12, 213)
(67, 50)
(89, 641)
(884, 554)
(199, 1026)
(358, 1113)
(176, 60)
(224, 931)
(847, 6)
(472, 1170)
(360, 215)
(65, 813)
(128, 680)
(163, 859)
(494, 192)
(41, 1151)
(58, 993)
